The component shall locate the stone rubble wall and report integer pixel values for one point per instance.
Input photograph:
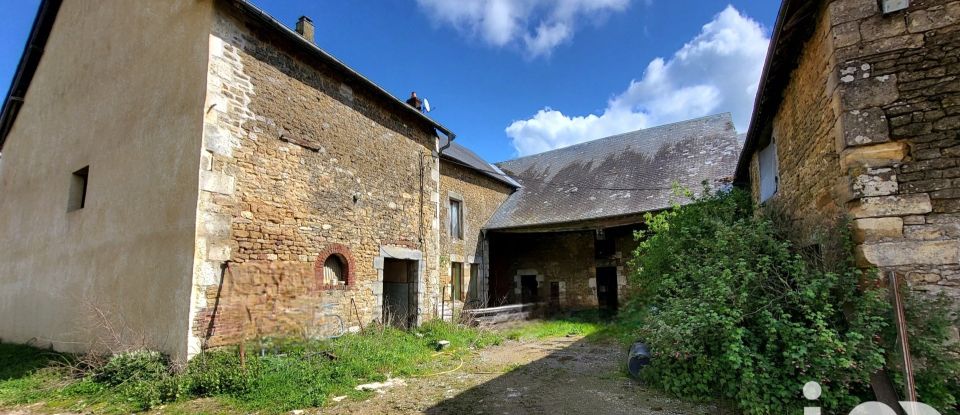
(868, 128)
(480, 196)
(805, 128)
(298, 165)
(900, 100)
(565, 257)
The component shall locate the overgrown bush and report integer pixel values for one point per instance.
(733, 310)
(935, 362)
(139, 365)
(219, 372)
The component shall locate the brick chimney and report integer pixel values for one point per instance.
(305, 28)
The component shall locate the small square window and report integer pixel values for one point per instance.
(78, 189)
(456, 219)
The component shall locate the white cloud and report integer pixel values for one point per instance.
(717, 71)
(538, 26)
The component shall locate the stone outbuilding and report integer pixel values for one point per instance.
(566, 236)
(857, 116)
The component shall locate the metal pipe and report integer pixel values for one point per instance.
(910, 388)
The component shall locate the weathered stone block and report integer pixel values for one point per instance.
(843, 11)
(870, 92)
(216, 182)
(943, 218)
(866, 126)
(846, 34)
(923, 278)
(890, 254)
(214, 224)
(877, 229)
(927, 185)
(218, 252)
(878, 27)
(875, 182)
(932, 232)
(206, 160)
(951, 193)
(217, 141)
(891, 44)
(871, 207)
(914, 220)
(933, 18)
(947, 123)
(912, 130)
(877, 155)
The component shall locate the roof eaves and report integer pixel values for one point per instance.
(493, 172)
(29, 60)
(787, 39)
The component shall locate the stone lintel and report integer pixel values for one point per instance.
(890, 254)
(881, 206)
(876, 155)
(877, 229)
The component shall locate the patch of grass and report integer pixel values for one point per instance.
(581, 323)
(28, 374)
(293, 374)
(551, 328)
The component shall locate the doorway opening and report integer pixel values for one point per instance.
(607, 291)
(554, 295)
(456, 281)
(400, 292)
(528, 289)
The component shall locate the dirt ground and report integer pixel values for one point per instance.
(567, 375)
(554, 376)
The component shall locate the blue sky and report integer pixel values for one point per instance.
(513, 77)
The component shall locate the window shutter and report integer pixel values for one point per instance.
(769, 171)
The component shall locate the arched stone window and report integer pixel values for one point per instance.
(335, 267)
(333, 271)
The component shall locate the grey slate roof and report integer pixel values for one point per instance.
(619, 175)
(463, 156)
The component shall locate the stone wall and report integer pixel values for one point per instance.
(299, 163)
(480, 197)
(805, 130)
(891, 83)
(900, 149)
(565, 257)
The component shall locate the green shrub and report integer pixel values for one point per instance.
(140, 365)
(732, 310)
(935, 361)
(219, 372)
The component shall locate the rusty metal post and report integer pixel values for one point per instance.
(903, 338)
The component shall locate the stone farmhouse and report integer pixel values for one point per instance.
(188, 174)
(857, 115)
(233, 180)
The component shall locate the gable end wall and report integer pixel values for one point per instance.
(301, 164)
